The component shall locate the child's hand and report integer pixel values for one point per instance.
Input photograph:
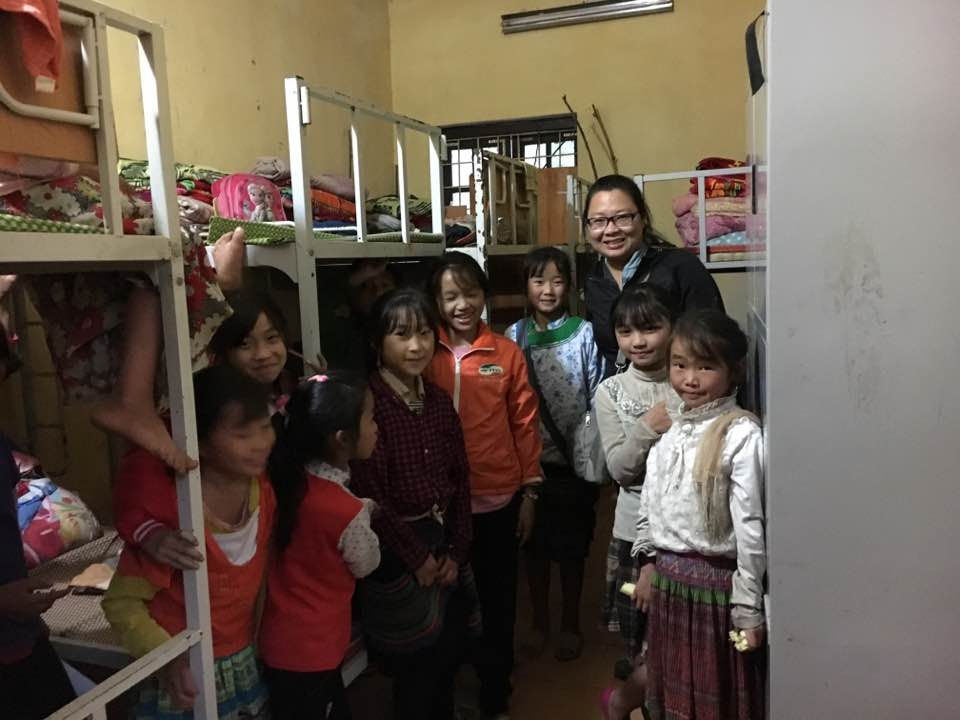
(427, 573)
(176, 548)
(657, 418)
(27, 598)
(755, 638)
(448, 571)
(642, 591)
(528, 514)
(178, 680)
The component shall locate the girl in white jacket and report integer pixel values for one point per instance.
(701, 516)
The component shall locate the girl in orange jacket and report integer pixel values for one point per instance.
(486, 375)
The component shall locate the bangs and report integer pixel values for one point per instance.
(464, 278)
(702, 348)
(643, 306)
(401, 319)
(640, 316)
(223, 395)
(247, 307)
(402, 309)
(536, 262)
(243, 410)
(713, 336)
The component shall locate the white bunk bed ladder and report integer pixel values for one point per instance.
(160, 255)
(298, 99)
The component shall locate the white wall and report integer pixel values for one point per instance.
(864, 348)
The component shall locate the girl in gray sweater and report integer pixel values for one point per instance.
(633, 410)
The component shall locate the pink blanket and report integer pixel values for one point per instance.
(688, 225)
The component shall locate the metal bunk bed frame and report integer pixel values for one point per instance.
(159, 256)
(577, 188)
(699, 175)
(298, 260)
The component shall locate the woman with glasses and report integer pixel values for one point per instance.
(617, 221)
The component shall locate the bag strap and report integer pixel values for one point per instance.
(555, 434)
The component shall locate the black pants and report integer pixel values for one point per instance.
(306, 695)
(36, 686)
(423, 682)
(494, 559)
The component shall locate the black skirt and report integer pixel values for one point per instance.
(566, 516)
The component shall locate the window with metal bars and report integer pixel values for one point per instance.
(545, 142)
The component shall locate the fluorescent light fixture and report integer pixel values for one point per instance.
(583, 13)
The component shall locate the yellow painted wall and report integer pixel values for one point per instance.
(671, 88)
(226, 64)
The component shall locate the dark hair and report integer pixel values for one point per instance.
(363, 263)
(317, 410)
(713, 335)
(643, 305)
(466, 271)
(609, 183)
(398, 307)
(536, 261)
(247, 306)
(222, 386)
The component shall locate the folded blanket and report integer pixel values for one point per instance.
(137, 173)
(688, 226)
(390, 205)
(721, 186)
(276, 169)
(272, 168)
(714, 206)
(730, 239)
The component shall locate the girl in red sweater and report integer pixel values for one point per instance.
(145, 602)
(324, 543)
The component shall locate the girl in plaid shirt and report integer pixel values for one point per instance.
(421, 603)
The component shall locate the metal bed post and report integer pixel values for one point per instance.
(401, 139)
(298, 117)
(170, 279)
(106, 134)
(359, 199)
(490, 190)
(436, 181)
(702, 219)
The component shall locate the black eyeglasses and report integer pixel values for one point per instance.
(624, 221)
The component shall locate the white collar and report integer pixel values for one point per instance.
(708, 411)
(323, 469)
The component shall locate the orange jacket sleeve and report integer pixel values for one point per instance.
(523, 409)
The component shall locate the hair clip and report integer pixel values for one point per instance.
(318, 378)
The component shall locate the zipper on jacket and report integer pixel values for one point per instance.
(456, 383)
(456, 370)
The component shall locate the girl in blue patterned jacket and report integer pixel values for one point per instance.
(565, 368)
